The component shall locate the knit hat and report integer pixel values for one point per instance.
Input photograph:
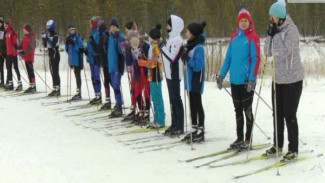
(129, 25)
(114, 22)
(27, 27)
(50, 25)
(155, 33)
(278, 9)
(71, 27)
(94, 22)
(243, 13)
(196, 28)
(101, 26)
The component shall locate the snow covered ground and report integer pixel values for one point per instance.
(41, 144)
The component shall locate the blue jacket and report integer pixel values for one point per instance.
(195, 70)
(75, 57)
(243, 57)
(92, 57)
(115, 53)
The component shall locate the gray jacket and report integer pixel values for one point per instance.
(285, 49)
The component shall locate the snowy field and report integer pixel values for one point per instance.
(44, 144)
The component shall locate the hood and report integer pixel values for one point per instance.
(177, 26)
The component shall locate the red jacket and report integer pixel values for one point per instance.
(28, 47)
(11, 41)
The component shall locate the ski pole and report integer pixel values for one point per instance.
(86, 83)
(275, 115)
(189, 102)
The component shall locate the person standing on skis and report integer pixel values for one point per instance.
(11, 59)
(74, 47)
(194, 58)
(27, 52)
(116, 64)
(283, 44)
(51, 42)
(242, 59)
(92, 53)
(174, 70)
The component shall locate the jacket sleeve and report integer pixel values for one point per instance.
(172, 52)
(197, 61)
(255, 58)
(120, 43)
(226, 64)
(31, 46)
(284, 47)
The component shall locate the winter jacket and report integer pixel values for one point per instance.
(103, 47)
(173, 50)
(243, 56)
(140, 60)
(3, 47)
(11, 40)
(92, 48)
(75, 55)
(285, 49)
(28, 47)
(195, 70)
(115, 54)
(154, 63)
(52, 43)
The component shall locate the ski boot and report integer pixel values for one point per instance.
(55, 92)
(116, 113)
(9, 86)
(245, 146)
(272, 152)
(2, 85)
(130, 116)
(107, 105)
(145, 120)
(31, 89)
(290, 156)
(191, 134)
(235, 145)
(137, 118)
(176, 133)
(77, 96)
(96, 100)
(19, 87)
(199, 137)
(167, 131)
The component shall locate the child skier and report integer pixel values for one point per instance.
(27, 53)
(242, 59)
(74, 47)
(194, 58)
(51, 41)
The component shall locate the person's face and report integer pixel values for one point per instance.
(169, 27)
(72, 31)
(113, 28)
(189, 35)
(274, 19)
(6, 26)
(243, 24)
(90, 24)
(25, 31)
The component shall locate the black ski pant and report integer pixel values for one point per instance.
(197, 112)
(287, 101)
(177, 109)
(12, 61)
(243, 103)
(2, 75)
(77, 74)
(30, 71)
(54, 66)
(107, 82)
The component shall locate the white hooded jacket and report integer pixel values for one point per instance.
(172, 49)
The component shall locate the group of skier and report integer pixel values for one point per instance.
(109, 52)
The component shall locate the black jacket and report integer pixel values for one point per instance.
(3, 48)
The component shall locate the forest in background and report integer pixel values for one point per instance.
(220, 15)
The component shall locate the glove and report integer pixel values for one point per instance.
(185, 57)
(70, 41)
(250, 86)
(44, 35)
(129, 69)
(219, 82)
(21, 53)
(272, 29)
(16, 47)
(161, 43)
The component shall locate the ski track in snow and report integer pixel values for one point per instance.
(40, 144)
